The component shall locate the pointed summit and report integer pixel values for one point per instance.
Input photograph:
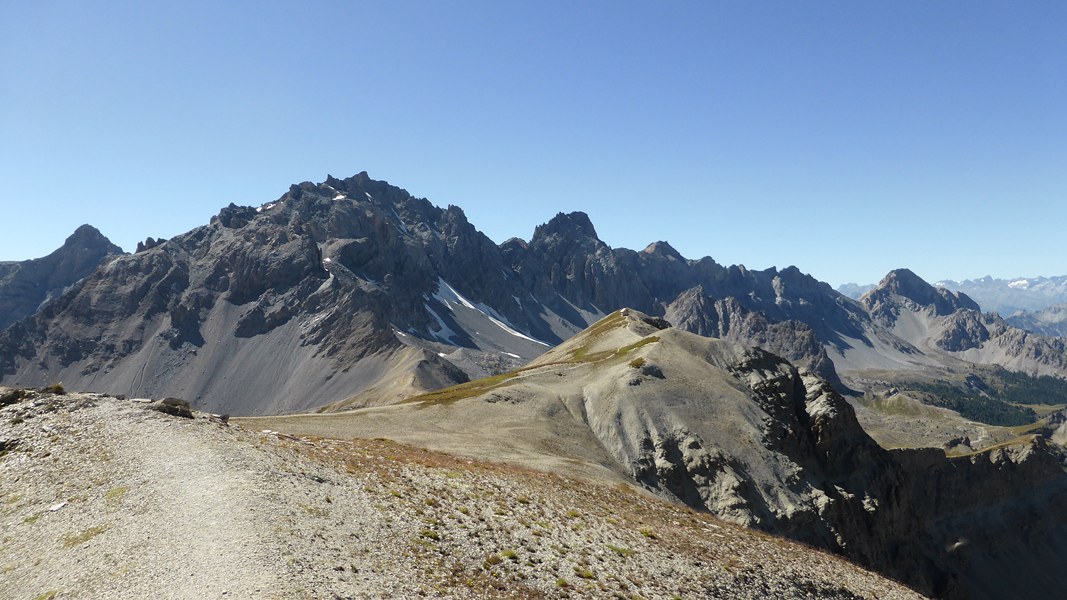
(27, 284)
(906, 284)
(571, 225)
(663, 249)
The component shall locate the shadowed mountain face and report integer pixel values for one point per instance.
(354, 292)
(743, 434)
(25, 285)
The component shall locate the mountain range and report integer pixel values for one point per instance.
(756, 396)
(353, 292)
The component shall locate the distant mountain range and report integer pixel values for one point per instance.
(353, 293)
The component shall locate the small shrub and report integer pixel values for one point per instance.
(637, 363)
(430, 534)
(584, 573)
(510, 555)
(620, 550)
(13, 396)
(55, 388)
(648, 533)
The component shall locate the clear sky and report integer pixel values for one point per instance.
(847, 138)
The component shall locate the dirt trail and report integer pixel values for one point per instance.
(205, 499)
(129, 503)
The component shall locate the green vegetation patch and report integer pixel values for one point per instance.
(582, 354)
(463, 390)
(71, 540)
(992, 395)
(973, 404)
(1020, 388)
(115, 495)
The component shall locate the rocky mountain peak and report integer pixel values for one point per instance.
(906, 284)
(88, 236)
(663, 249)
(25, 285)
(570, 225)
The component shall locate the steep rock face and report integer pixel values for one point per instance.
(727, 318)
(25, 285)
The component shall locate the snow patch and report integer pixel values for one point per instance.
(448, 295)
(266, 207)
(444, 332)
(511, 355)
(1019, 284)
(325, 284)
(339, 196)
(399, 222)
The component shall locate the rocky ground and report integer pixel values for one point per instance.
(102, 497)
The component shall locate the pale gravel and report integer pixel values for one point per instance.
(149, 505)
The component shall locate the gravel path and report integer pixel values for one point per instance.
(102, 498)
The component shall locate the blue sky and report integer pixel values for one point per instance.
(846, 138)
